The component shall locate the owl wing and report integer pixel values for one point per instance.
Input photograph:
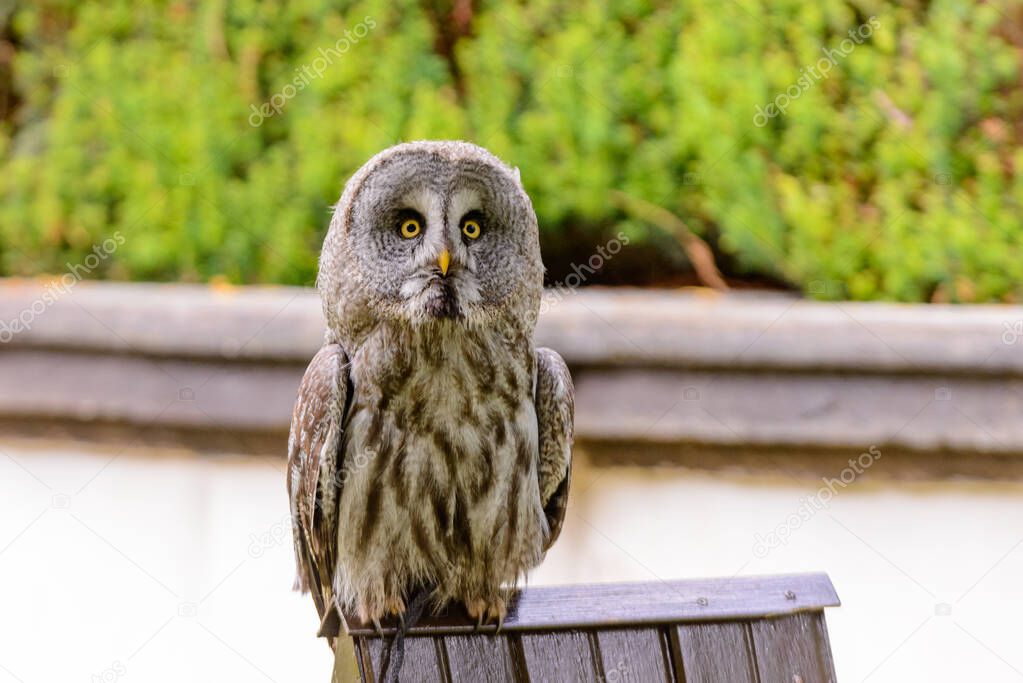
(315, 474)
(555, 411)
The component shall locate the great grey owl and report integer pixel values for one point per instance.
(430, 444)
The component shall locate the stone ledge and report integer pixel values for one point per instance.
(669, 372)
(679, 328)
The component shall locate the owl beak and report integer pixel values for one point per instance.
(444, 260)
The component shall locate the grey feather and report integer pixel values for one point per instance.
(555, 415)
(315, 471)
(455, 432)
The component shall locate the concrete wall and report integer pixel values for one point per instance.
(707, 376)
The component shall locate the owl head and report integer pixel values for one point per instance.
(431, 233)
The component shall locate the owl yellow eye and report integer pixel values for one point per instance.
(471, 229)
(410, 228)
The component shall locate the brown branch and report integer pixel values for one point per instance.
(892, 111)
(451, 23)
(699, 254)
(216, 41)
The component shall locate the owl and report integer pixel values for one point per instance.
(430, 446)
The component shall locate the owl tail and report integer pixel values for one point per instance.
(395, 655)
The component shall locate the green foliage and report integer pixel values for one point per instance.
(893, 176)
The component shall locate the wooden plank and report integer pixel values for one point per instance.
(564, 656)
(708, 653)
(793, 649)
(346, 661)
(624, 604)
(422, 662)
(634, 655)
(485, 658)
(368, 650)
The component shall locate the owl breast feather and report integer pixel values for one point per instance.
(440, 452)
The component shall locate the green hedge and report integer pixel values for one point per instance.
(893, 176)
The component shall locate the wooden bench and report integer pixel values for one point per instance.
(757, 629)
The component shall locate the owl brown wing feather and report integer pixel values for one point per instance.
(555, 414)
(315, 471)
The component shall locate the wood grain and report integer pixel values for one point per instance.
(709, 653)
(563, 656)
(674, 632)
(793, 649)
(623, 604)
(634, 655)
(479, 658)
(422, 660)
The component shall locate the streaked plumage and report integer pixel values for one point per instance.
(430, 443)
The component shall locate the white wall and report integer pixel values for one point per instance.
(929, 574)
(124, 564)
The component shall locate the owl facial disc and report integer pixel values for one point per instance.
(427, 232)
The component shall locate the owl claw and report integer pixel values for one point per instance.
(373, 610)
(487, 612)
(497, 611)
(476, 609)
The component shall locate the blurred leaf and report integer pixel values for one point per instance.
(216, 136)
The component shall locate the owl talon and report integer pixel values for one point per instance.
(377, 627)
(487, 612)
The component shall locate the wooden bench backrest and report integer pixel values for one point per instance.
(743, 629)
